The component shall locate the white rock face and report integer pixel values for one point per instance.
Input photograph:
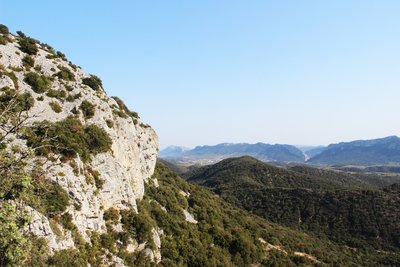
(189, 217)
(40, 227)
(124, 170)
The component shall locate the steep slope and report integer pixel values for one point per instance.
(261, 151)
(224, 235)
(80, 151)
(327, 203)
(363, 152)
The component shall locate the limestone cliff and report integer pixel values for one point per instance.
(123, 170)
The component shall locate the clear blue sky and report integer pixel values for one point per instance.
(204, 72)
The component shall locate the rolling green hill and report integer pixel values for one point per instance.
(228, 236)
(247, 171)
(327, 203)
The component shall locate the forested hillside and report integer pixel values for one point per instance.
(329, 204)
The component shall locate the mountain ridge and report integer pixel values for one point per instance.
(379, 151)
(214, 153)
(384, 151)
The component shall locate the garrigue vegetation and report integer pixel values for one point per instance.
(68, 138)
(28, 45)
(88, 109)
(39, 83)
(4, 29)
(65, 74)
(93, 82)
(19, 188)
(28, 62)
(55, 107)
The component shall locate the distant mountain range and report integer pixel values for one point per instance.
(383, 151)
(173, 151)
(211, 154)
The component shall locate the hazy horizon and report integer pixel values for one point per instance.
(202, 73)
(296, 145)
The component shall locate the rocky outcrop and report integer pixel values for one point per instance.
(40, 226)
(124, 170)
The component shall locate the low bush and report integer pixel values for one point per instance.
(124, 110)
(55, 107)
(72, 98)
(68, 138)
(21, 34)
(67, 257)
(66, 221)
(93, 82)
(28, 45)
(3, 40)
(97, 139)
(48, 197)
(39, 83)
(95, 178)
(61, 55)
(88, 109)
(4, 29)
(23, 102)
(111, 214)
(28, 62)
(110, 123)
(65, 74)
(59, 94)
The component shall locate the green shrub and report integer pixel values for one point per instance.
(65, 74)
(23, 102)
(4, 29)
(97, 139)
(139, 225)
(61, 55)
(39, 83)
(28, 45)
(66, 221)
(67, 257)
(98, 182)
(111, 214)
(59, 94)
(3, 40)
(14, 246)
(93, 82)
(74, 110)
(21, 34)
(69, 88)
(39, 252)
(120, 113)
(110, 123)
(72, 98)
(50, 198)
(48, 47)
(134, 115)
(28, 61)
(68, 138)
(88, 109)
(55, 107)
